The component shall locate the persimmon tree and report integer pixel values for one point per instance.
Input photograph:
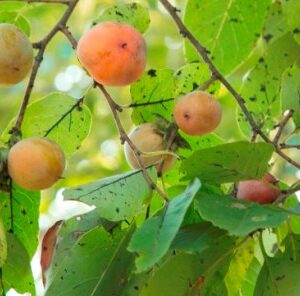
(207, 204)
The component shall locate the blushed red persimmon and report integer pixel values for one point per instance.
(263, 191)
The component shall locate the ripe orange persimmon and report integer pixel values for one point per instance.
(16, 55)
(114, 54)
(197, 113)
(262, 191)
(147, 139)
(35, 163)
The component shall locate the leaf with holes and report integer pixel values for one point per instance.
(153, 94)
(106, 269)
(133, 14)
(121, 197)
(261, 89)
(23, 217)
(191, 77)
(290, 92)
(59, 117)
(228, 29)
(228, 162)
(291, 10)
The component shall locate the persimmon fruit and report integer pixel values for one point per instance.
(16, 55)
(114, 54)
(263, 191)
(35, 163)
(197, 113)
(147, 139)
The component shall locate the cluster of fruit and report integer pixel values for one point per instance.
(35, 163)
(114, 54)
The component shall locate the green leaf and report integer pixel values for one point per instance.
(133, 14)
(16, 273)
(197, 237)
(16, 19)
(190, 77)
(291, 10)
(191, 274)
(25, 216)
(228, 29)
(58, 117)
(261, 88)
(152, 240)
(97, 264)
(251, 278)
(3, 246)
(275, 25)
(175, 176)
(228, 163)
(153, 94)
(238, 272)
(116, 198)
(70, 232)
(290, 92)
(280, 275)
(294, 221)
(238, 217)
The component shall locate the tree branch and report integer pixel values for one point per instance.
(286, 193)
(215, 72)
(65, 30)
(38, 60)
(287, 146)
(282, 124)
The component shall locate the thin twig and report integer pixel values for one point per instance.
(286, 193)
(289, 146)
(170, 142)
(135, 105)
(38, 60)
(65, 30)
(286, 117)
(208, 83)
(215, 72)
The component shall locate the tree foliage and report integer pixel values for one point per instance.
(183, 233)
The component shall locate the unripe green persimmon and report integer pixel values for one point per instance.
(147, 139)
(35, 163)
(16, 55)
